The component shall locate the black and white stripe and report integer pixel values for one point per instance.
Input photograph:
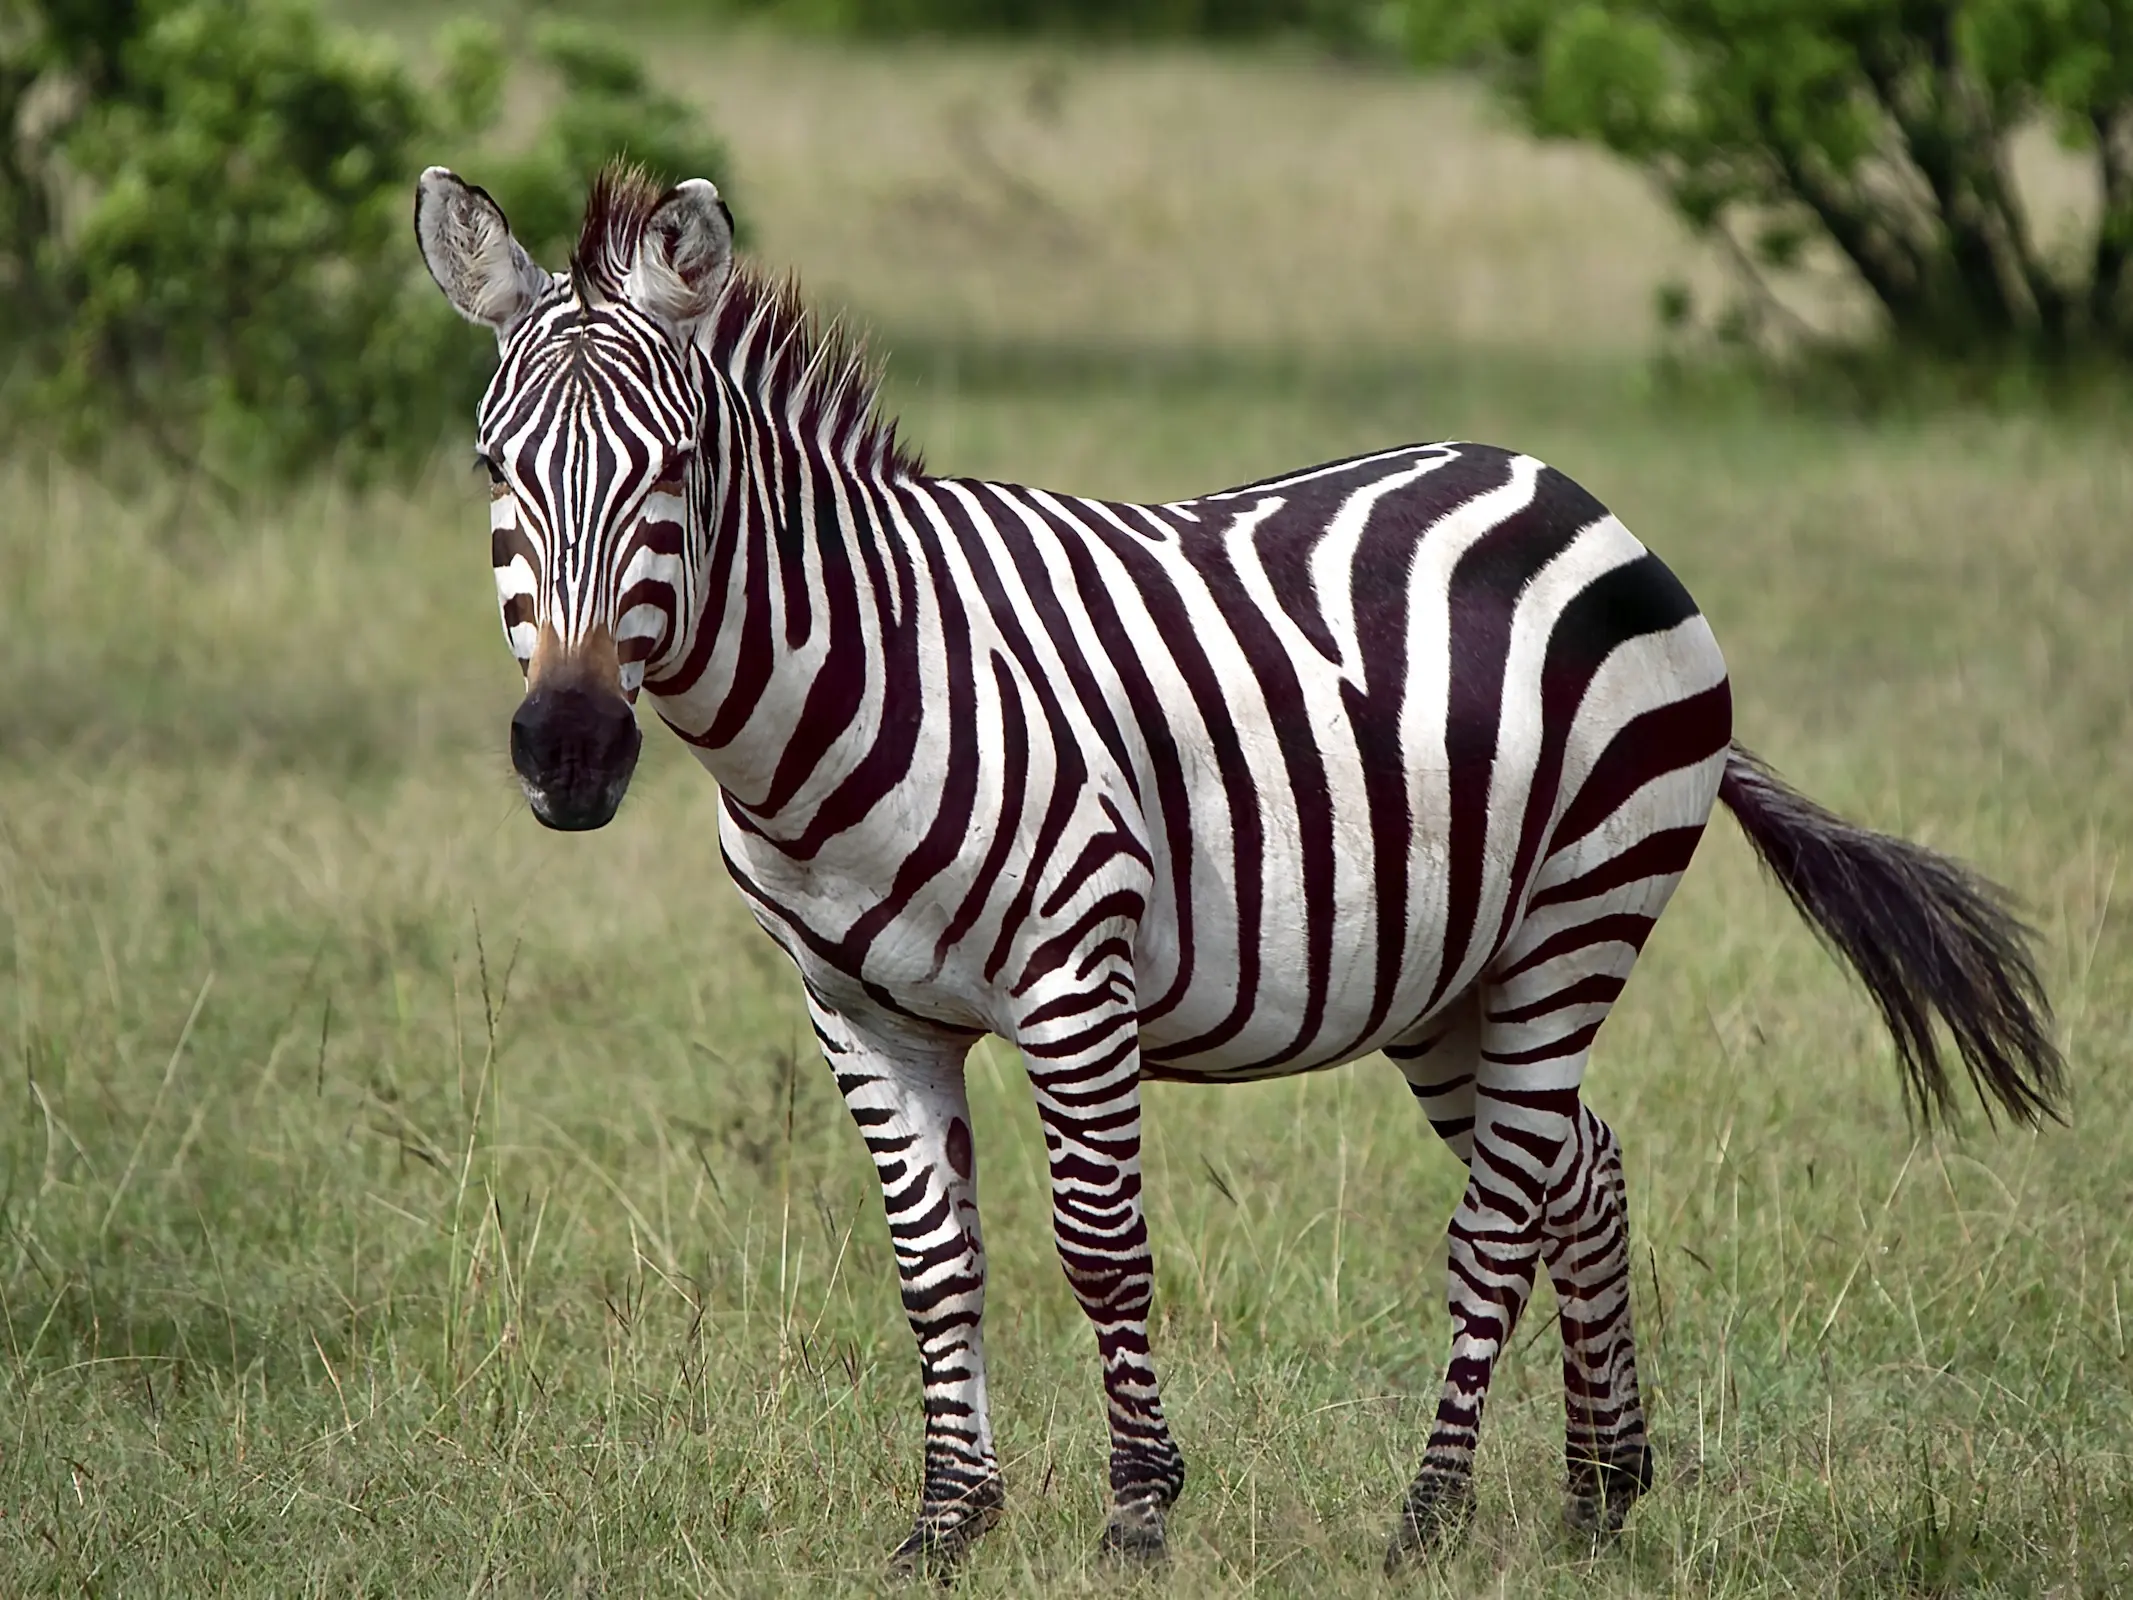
(1401, 753)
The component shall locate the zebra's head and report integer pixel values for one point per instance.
(589, 432)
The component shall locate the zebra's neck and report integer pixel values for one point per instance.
(782, 672)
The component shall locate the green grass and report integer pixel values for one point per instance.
(399, 1199)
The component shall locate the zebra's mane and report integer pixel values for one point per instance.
(623, 199)
(813, 376)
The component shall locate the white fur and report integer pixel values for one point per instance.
(485, 273)
(684, 259)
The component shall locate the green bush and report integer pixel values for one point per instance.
(204, 221)
(1881, 128)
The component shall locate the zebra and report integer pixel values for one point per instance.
(1398, 754)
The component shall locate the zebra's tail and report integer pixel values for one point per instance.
(1925, 935)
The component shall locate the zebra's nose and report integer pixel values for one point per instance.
(574, 750)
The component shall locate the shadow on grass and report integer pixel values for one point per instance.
(118, 1322)
(1450, 378)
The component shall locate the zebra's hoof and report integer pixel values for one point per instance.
(1135, 1531)
(1432, 1520)
(1601, 1492)
(942, 1538)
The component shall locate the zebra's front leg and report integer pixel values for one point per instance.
(1085, 1072)
(907, 1095)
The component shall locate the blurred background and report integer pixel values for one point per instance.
(395, 1197)
(201, 239)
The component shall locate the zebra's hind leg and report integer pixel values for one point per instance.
(1547, 995)
(1608, 1461)
(1438, 1060)
(1492, 1255)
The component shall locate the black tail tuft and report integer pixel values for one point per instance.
(1925, 935)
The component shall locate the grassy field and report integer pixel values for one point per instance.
(399, 1199)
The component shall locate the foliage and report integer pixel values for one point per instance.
(607, 105)
(203, 219)
(1881, 128)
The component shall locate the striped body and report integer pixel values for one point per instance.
(1314, 741)
(1402, 753)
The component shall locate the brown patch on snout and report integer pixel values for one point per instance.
(592, 665)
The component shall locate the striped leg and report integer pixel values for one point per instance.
(1438, 1060)
(1517, 1137)
(1594, 902)
(908, 1098)
(1544, 1182)
(1082, 1053)
(1608, 1461)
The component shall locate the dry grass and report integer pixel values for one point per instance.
(398, 1199)
(1148, 200)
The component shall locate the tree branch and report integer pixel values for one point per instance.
(1758, 284)
(2114, 228)
(1896, 283)
(1980, 141)
(1931, 138)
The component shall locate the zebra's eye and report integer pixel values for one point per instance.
(674, 474)
(488, 464)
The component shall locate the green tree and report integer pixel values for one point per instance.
(1881, 127)
(204, 220)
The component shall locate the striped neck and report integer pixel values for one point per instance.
(799, 579)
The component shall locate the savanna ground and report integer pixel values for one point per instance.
(399, 1199)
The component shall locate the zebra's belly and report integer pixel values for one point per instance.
(1325, 981)
(1309, 998)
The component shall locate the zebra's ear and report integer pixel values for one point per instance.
(685, 256)
(467, 245)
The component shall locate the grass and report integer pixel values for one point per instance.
(398, 1199)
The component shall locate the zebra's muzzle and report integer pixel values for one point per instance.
(574, 750)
